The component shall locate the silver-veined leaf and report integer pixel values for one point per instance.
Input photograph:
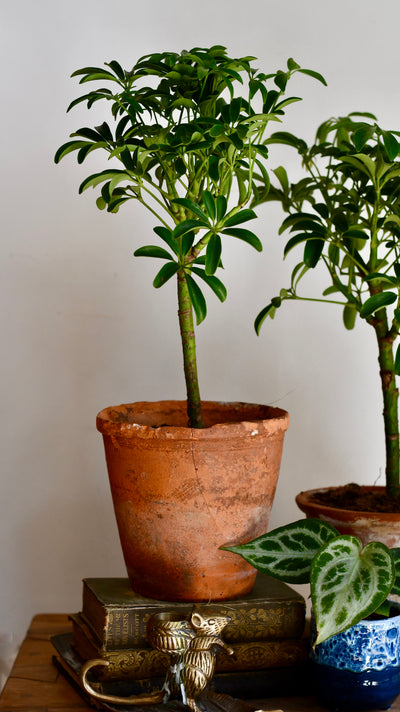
(348, 583)
(395, 552)
(286, 553)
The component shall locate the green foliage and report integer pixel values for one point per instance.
(346, 212)
(344, 217)
(187, 139)
(188, 144)
(347, 582)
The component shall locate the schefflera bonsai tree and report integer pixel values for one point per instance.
(344, 216)
(347, 582)
(190, 147)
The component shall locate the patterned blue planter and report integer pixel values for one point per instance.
(360, 668)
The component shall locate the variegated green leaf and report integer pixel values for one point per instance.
(348, 583)
(286, 553)
(395, 552)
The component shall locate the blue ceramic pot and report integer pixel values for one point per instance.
(360, 668)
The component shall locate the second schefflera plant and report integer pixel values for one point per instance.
(344, 217)
(348, 583)
(188, 144)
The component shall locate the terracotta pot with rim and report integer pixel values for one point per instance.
(368, 526)
(181, 493)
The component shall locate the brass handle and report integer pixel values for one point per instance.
(142, 698)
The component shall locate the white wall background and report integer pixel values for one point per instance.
(83, 328)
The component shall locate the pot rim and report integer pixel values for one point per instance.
(303, 501)
(276, 420)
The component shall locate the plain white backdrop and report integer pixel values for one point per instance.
(82, 326)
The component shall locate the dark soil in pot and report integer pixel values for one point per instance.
(356, 498)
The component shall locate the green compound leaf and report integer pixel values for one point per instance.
(213, 254)
(349, 316)
(166, 234)
(213, 282)
(391, 145)
(397, 361)
(286, 553)
(240, 217)
(315, 75)
(376, 302)
(269, 310)
(363, 163)
(193, 207)
(313, 251)
(197, 299)
(187, 226)
(221, 204)
(93, 180)
(152, 251)
(166, 272)
(209, 203)
(245, 235)
(68, 147)
(348, 583)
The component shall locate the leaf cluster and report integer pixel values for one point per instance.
(345, 215)
(187, 140)
(348, 582)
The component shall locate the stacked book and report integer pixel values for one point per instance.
(266, 632)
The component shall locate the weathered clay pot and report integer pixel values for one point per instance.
(181, 493)
(368, 526)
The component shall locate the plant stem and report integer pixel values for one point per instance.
(390, 402)
(185, 314)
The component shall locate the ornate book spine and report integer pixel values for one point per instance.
(143, 663)
(118, 618)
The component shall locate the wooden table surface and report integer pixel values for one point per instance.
(35, 684)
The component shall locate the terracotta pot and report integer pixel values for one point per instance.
(368, 526)
(181, 493)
